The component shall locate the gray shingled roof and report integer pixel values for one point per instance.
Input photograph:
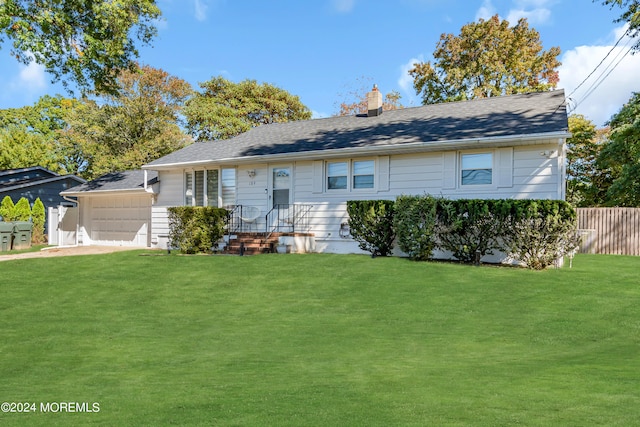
(535, 113)
(116, 181)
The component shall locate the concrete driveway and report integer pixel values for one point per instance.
(67, 251)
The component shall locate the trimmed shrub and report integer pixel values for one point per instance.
(542, 231)
(414, 222)
(371, 225)
(195, 229)
(38, 218)
(467, 226)
(7, 209)
(22, 210)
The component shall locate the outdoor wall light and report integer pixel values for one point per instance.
(251, 173)
(345, 231)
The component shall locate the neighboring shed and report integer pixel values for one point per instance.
(34, 182)
(115, 209)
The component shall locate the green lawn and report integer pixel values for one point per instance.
(320, 340)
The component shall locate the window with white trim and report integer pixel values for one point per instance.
(363, 173)
(337, 175)
(201, 188)
(476, 169)
(351, 175)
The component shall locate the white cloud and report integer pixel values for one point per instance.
(534, 17)
(486, 11)
(535, 11)
(599, 101)
(31, 78)
(405, 82)
(201, 7)
(344, 6)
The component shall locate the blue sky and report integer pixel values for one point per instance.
(321, 50)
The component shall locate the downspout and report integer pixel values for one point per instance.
(77, 202)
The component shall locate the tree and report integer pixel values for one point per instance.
(22, 210)
(356, 100)
(85, 41)
(38, 217)
(582, 151)
(29, 135)
(124, 131)
(488, 58)
(631, 15)
(225, 109)
(7, 209)
(621, 155)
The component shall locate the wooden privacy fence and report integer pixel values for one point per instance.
(610, 230)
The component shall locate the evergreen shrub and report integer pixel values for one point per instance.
(414, 222)
(195, 229)
(371, 225)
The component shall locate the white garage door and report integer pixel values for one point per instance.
(120, 220)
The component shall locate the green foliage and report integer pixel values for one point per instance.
(195, 229)
(22, 211)
(86, 42)
(582, 172)
(533, 232)
(467, 226)
(542, 231)
(38, 218)
(29, 135)
(631, 16)
(414, 223)
(122, 132)
(7, 209)
(488, 58)
(225, 109)
(621, 155)
(371, 225)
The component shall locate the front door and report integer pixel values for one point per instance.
(280, 194)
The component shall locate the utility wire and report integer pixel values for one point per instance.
(597, 66)
(603, 76)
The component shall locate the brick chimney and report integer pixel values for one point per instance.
(374, 102)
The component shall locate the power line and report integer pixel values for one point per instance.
(603, 76)
(597, 66)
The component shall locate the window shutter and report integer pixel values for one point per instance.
(383, 173)
(504, 164)
(318, 180)
(449, 170)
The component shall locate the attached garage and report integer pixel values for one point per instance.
(115, 209)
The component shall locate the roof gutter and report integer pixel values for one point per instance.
(106, 192)
(373, 149)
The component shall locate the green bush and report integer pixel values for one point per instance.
(414, 222)
(195, 229)
(7, 209)
(467, 226)
(542, 231)
(22, 210)
(371, 225)
(38, 218)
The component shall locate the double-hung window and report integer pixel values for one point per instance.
(476, 169)
(350, 175)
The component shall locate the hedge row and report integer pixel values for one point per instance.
(533, 232)
(195, 229)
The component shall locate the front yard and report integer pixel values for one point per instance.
(319, 340)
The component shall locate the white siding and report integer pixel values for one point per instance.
(518, 172)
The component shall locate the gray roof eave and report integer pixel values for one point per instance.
(108, 192)
(412, 147)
